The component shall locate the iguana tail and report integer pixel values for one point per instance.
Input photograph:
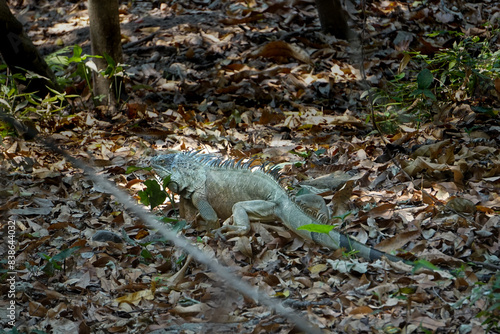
(337, 240)
(294, 217)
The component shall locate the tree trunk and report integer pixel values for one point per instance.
(105, 38)
(333, 19)
(20, 54)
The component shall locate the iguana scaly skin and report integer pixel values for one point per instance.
(225, 189)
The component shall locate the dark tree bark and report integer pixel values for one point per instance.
(333, 19)
(105, 38)
(20, 54)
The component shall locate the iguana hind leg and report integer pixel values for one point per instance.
(245, 212)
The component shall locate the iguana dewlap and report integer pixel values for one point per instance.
(227, 189)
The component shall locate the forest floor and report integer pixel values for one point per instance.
(259, 79)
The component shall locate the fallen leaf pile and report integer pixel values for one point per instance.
(257, 79)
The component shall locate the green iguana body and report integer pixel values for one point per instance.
(225, 189)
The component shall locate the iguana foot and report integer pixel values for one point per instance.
(218, 235)
(229, 230)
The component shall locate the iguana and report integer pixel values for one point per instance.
(223, 188)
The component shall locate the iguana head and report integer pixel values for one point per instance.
(186, 173)
(165, 165)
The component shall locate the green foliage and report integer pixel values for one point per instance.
(69, 70)
(23, 105)
(115, 72)
(489, 294)
(131, 169)
(54, 262)
(429, 83)
(153, 195)
(424, 82)
(60, 64)
(178, 224)
(461, 69)
(82, 67)
(326, 229)
(421, 263)
(12, 331)
(146, 254)
(10, 100)
(317, 228)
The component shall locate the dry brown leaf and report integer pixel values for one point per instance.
(341, 199)
(361, 310)
(36, 309)
(316, 269)
(191, 310)
(243, 245)
(384, 211)
(135, 298)
(281, 50)
(397, 241)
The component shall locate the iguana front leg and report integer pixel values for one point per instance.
(245, 212)
(191, 214)
(207, 212)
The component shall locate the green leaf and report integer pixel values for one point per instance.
(423, 264)
(153, 195)
(489, 111)
(45, 256)
(146, 254)
(318, 228)
(424, 79)
(433, 34)
(399, 76)
(131, 169)
(452, 64)
(144, 197)
(416, 92)
(166, 181)
(179, 226)
(306, 154)
(409, 290)
(429, 94)
(111, 62)
(77, 51)
(65, 254)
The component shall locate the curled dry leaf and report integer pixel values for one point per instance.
(281, 50)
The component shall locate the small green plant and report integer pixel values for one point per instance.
(114, 72)
(492, 313)
(153, 195)
(426, 84)
(490, 295)
(25, 106)
(54, 262)
(59, 63)
(84, 67)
